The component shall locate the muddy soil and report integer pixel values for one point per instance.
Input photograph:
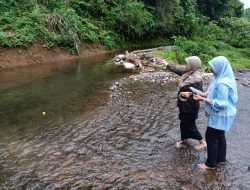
(36, 54)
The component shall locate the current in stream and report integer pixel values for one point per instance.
(104, 129)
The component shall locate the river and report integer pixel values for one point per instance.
(103, 129)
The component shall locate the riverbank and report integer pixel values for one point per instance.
(37, 54)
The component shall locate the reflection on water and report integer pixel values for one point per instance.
(59, 90)
(126, 144)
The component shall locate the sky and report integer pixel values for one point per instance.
(246, 2)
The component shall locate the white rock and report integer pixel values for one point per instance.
(128, 65)
(121, 56)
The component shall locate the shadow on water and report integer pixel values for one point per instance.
(127, 143)
(59, 89)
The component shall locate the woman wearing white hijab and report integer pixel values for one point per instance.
(189, 108)
(220, 110)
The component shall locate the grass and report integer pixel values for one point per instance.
(143, 43)
(166, 54)
(239, 58)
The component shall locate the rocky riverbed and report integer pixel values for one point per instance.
(127, 144)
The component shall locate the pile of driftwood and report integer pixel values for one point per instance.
(142, 60)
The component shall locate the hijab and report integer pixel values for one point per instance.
(224, 75)
(193, 75)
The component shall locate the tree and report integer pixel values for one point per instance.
(132, 20)
(175, 17)
(216, 9)
(247, 13)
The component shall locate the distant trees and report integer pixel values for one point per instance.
(215, 9)
(247, 13)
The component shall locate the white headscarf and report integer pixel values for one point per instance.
(194, 75)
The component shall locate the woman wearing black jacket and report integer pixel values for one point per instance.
(188, 107)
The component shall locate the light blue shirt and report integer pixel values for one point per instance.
(223, 95)
(222, 110)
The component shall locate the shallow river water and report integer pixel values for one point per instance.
(104, 129)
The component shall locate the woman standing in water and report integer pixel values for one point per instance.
(189, 108)
(220, 110)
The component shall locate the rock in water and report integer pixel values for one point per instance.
(121, 56)
(128, 65)
(119, 63)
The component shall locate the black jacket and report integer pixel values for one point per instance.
(190, 106)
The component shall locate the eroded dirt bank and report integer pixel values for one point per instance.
(36, 54)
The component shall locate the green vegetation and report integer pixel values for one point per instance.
(247, 13)
(68, 24)
(228, 36)
(196, 27)
(238, 57)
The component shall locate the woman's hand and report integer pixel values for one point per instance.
(162, 61)
(198, 97)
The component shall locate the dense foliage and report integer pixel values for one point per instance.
(217, 9)
(113, 23)
(247, 13)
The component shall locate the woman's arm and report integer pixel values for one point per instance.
(176, 70)
(221, 100)
(172, 68)
(200, 98)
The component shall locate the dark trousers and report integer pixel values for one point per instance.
(188, 126)
(216, 146)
